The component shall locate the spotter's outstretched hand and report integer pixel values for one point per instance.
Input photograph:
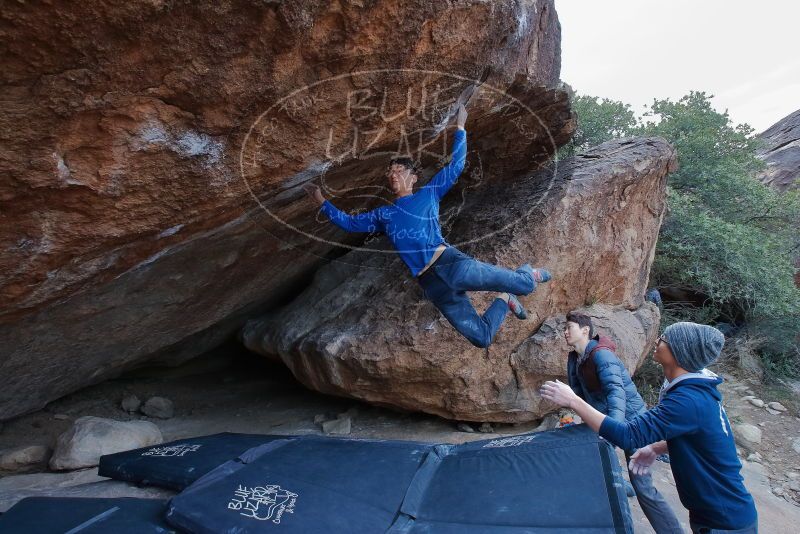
(558, 393)
(641, 460)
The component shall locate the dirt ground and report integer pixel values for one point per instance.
(230, 391)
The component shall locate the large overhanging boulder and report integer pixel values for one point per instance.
(153, 153)
(363, 328)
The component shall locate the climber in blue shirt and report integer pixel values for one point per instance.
(445, 273)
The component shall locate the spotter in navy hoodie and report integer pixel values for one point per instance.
(691, 419)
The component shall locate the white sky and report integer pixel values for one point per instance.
(745, 53)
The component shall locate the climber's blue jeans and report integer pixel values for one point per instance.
(446, 282)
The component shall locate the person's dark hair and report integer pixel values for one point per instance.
(408, 163)
(581, 320)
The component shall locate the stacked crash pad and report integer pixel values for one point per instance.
(177, 464)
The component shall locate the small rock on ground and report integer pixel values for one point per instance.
(747, 435)
(159, 407)
(340, 425)
(320, 418)
(777, 406)
(131, 404)
(21, 458)
(89, 438)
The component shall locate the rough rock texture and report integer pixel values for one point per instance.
(128, 228)
(92, 437)
(781, 153)
(363, 328)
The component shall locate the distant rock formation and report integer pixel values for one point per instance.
(781, 153)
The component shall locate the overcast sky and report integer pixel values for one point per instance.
(745, 53)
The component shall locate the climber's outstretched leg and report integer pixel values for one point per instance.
(465, 273)
(458, 310)
(445, 284)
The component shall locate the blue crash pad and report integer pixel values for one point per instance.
(72, 515)
(310, 484)
(557, 481)
(563, 480)
(177, 464)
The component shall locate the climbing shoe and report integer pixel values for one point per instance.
(538, 275)
(516, 307)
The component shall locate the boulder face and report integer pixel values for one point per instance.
(363, 328)
(781, 153)
(153, 155)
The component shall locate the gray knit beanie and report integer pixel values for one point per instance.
(694, 345)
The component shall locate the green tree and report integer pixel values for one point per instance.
(741, 268)
(599, 120)
(717, 162)
(727, 237)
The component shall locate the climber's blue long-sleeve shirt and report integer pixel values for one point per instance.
(412, 222)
